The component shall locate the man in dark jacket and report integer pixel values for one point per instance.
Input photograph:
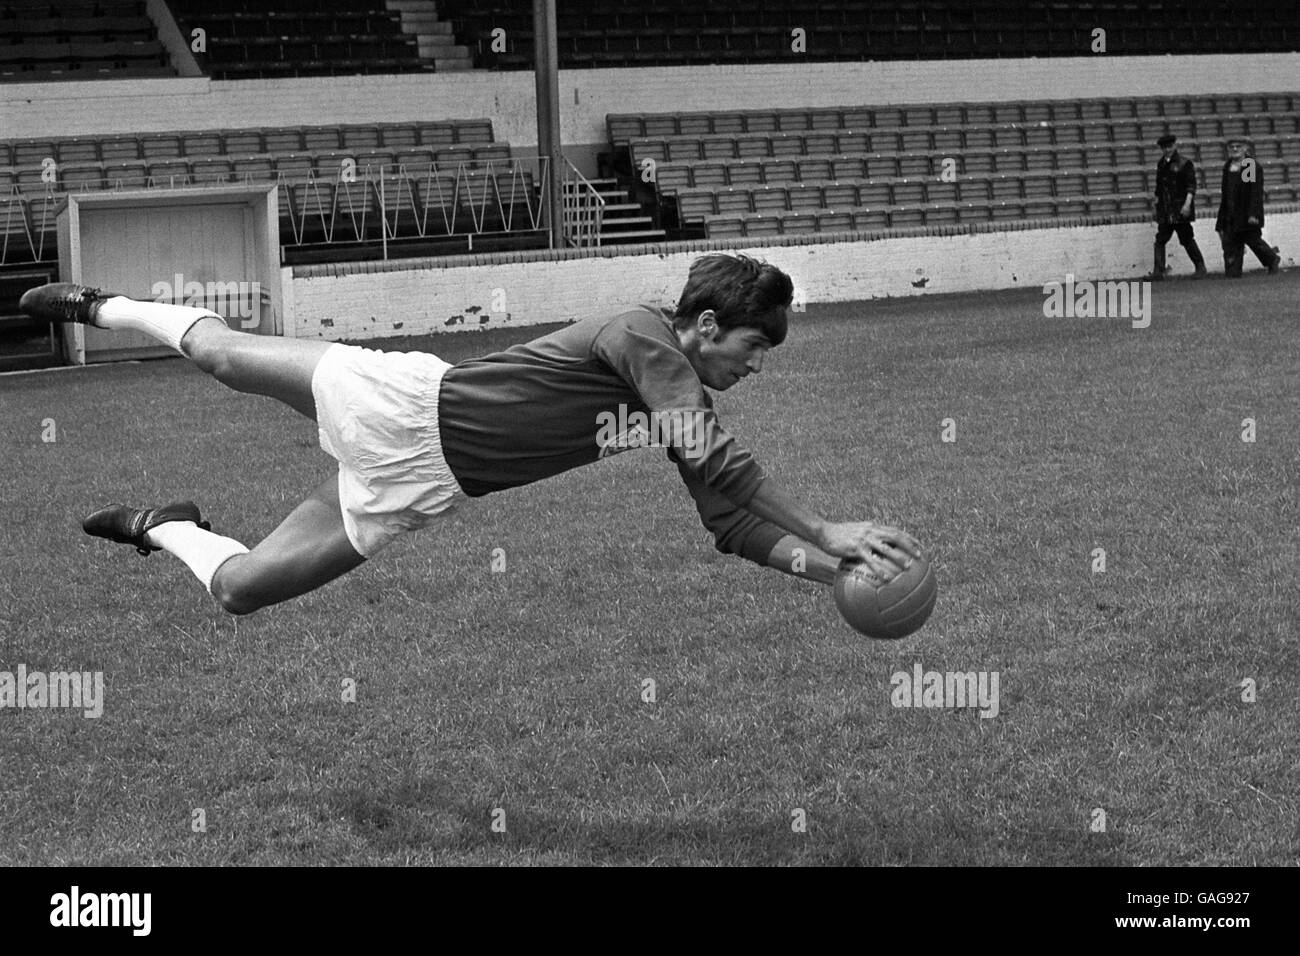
(1241, 211)
(1175, 206)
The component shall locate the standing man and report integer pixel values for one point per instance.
(1241, 211)
(1175, 206)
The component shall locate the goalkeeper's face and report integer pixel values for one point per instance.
(725, 356)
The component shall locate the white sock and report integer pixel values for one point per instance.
(167, 323)
(203, 551)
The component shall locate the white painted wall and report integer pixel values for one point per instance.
(123, 106)
(364, 305)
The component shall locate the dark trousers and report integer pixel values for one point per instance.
(1185, 236)
(1234, 249)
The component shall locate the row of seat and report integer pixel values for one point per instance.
(78, 40)
(83, 69)
(896, 42)
(362, 37)
(364, 66)
(695, 205)
(623, 127)
(128, 28)
(314, 23)
(204, 144)
(956, 46)
(904, 12)
(874, 220)
(269, 9)
(95, 49)
(287, 49)
(863, 219)
(674, 41)
(71, 9)
(1006, 135)
(651, 154)
(671, 177)
(292, 167)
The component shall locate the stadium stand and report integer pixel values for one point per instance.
(685, 32)
(279, 38)
(436, 183)
(78, 40)
(426, 188)
(768, 172)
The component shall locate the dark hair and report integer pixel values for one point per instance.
(742, 292)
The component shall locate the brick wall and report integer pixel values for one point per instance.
(414, 301)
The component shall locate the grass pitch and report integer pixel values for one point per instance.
(522, 691)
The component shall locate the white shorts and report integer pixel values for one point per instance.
(378, 417)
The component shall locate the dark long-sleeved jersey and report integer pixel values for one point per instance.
(589, 390)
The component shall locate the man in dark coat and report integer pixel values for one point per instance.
(1241, 211)
(1175, 206)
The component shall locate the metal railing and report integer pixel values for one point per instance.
(584, 209)
(378, 205)
(28, 224)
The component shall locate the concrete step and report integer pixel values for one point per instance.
(412, 6)
(424, 23)
(445, 65)
(429, 51)
(632, 221)
(438, 41)
(642, 235)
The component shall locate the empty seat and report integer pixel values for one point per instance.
(722, 227)
(874, 194)
(768, 199)
(829, 220)
(671, 177)
(196, 145)
(160, 146)
(908, 192)
(848, 167)
(745, 171)
(762, 226)
(820, 144)
(802, 197)
(1100, 184)
(125, 175)
(814, 170)
(836, 195)
(695, 205)
(733, 200)
(795, 223)
(252, 169)
(77, 177)
(780, 171)
(708, 174)
(205, 172)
